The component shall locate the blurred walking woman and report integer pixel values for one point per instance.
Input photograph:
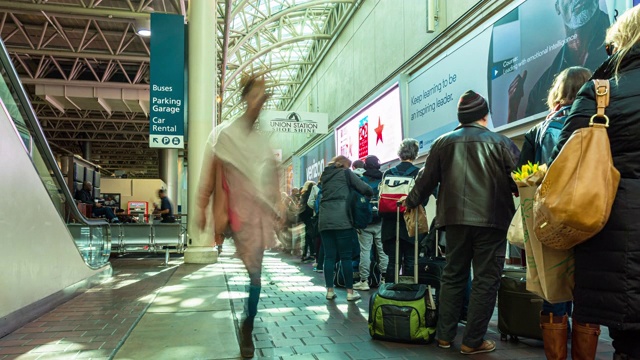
(334, 224)
(242, 157)
(607, 290)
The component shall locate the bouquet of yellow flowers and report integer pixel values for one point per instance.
(529, 174)
(549, 271)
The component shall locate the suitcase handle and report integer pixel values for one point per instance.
(416, 243)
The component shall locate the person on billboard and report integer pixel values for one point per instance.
(473, 167)
(242, 157)
(582, 19)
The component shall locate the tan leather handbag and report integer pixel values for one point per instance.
(574, 201)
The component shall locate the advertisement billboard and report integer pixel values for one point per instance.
(512, 62)
(376, 129)
(313, 162)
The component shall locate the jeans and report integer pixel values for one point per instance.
(368, 238)
(407, 257)
(338, 243)
(559, 309)
(485, 248)
(309, 246)
(320, 252)
(103, 210)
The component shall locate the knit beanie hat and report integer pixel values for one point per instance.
(372, 162)
(471, 107)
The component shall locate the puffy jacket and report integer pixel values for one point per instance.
(473, 166)
(607, 289)
(335, 191)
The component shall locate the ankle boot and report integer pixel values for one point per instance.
(584, 341)
(247, 349)
(554, 336)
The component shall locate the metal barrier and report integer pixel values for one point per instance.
(147, 237)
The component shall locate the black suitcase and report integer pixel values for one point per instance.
(518, 309)
(431, 268)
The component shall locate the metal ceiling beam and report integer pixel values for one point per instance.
(94, 120)
(75, 55)
(133, 141)
(83, 83)
(72, 11)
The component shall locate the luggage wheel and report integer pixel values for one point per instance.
(505, 337)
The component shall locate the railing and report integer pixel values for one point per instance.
(92, 238)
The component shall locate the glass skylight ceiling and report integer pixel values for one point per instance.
(280, 39)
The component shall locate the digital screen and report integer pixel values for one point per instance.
(376, 129)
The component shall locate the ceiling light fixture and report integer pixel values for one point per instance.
(143, 26)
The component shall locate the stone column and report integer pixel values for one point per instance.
(202, 20)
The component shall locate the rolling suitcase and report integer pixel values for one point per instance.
(430, 268)
(403, 311)
(518, 309)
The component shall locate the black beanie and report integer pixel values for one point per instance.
(471, 107)
(372, 163)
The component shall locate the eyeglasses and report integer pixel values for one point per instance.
(610, 49)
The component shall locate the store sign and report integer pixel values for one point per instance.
(166, 113)
(313, 162)
(520, 59)
(294, 122)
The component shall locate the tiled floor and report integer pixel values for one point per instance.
(116, 319)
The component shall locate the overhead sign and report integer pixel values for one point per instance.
(166, 115)
(376, 129)
(294, 122)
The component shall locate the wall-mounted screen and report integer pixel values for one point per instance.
(376, 129)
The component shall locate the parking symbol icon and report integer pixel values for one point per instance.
(176, 141)
(165, 140)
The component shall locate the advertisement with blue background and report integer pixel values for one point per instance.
(313, 162)
(520, 51)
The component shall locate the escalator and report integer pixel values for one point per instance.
(50, 249)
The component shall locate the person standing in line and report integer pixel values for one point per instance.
(314, 203)
(371, 237)
(473, 166)
(249, 168)
(609, 294)
(306, 216)
(334, 222)
(408, 152)
(538, 144)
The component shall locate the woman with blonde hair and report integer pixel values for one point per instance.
(607, 273)
(539, 142)
(334, 223)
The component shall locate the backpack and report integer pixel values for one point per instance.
(393, 187)
(549, 134)
(358, 206)
(316, 204)
(373, 202)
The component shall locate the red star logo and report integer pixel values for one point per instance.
(379, 131)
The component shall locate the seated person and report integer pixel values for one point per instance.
(124, 217)
(85, 196)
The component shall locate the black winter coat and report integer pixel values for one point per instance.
(473, 166)
(607, 290)
(335, 191)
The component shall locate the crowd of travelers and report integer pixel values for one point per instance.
(469, 170)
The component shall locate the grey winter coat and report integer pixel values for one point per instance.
(335, 191)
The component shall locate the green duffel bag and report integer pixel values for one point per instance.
(403, 313)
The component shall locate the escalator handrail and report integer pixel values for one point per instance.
(38, 133)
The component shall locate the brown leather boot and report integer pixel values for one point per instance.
(554, 336)
(584, 341)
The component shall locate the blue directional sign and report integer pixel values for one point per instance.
(166, 115)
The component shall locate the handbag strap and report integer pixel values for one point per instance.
(602, 88)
